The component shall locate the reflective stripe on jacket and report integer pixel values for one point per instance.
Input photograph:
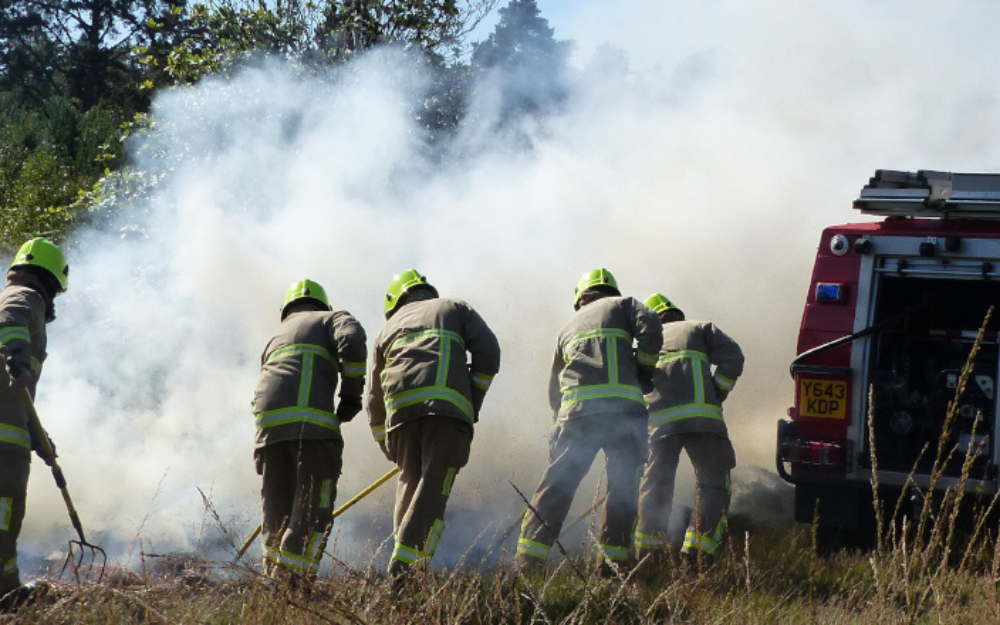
(419, 365)
(22, 337)
(294, 398)
(595, 369)
(685, 394)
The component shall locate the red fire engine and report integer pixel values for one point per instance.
(893, 311)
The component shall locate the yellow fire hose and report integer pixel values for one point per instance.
(353, 500)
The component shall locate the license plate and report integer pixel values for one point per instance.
(823, 398)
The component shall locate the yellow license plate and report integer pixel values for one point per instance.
(823, 398)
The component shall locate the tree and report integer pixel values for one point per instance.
(527, 59)
(432, 26)
(80, 48)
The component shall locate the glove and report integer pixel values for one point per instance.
(49, 460)
(17, 372)
(348, 408)
(478, 395)
(721, 394)
(645, 381)
(385, 451)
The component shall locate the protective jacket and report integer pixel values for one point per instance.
(299, 369)
(22, 338)
(595, 370)
(685, 396)
(420, 368)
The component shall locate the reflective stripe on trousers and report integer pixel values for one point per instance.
(705, 543)
(615, 553)
(306, 563)
(647, 541)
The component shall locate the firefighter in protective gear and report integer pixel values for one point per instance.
(424, 398)
(685, 413)
(37, 275)
(594, 391)
(298, 449)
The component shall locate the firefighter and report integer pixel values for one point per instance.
(299, 448)
(594, 391)
(685, 413)
(37, 275)
(424, 398)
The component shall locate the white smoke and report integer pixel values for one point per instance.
(706, 173)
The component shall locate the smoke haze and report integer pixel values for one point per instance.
(706, 171)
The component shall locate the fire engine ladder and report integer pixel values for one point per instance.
(931, 194)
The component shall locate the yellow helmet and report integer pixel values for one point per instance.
(660, 304)
(42, 253)
(305, 290)
(596, 278)
(401, 284)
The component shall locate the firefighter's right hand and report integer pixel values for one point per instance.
(385, 450)
(18, 373)
(645, 381)
(47, 459)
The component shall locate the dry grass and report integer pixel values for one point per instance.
(925, 568)
(765, 575)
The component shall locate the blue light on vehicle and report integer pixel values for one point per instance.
(828, 293)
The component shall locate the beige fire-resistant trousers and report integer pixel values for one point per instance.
(429, 452)
(574, 446)
(713, 457)
(298, 493)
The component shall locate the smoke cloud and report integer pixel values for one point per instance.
(704, 168)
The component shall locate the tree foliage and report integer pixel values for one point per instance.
(74, 74)
(81, 49)
(527, 59)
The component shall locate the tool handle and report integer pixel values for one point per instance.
(43, 438)
(367, 491)
(382, 480)
(35, 425)
(249, 541)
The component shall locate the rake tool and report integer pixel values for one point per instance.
(46, 447)
(336, 513)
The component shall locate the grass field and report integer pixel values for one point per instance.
(764, 575)
(936, 562)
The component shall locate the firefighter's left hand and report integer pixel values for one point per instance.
(348, 408)
(721, 394)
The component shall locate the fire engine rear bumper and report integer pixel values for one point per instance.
(818, 469)
(810, 460)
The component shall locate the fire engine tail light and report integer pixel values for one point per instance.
(818, 454)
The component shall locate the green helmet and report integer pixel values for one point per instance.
(596, 278)
(660, 304)
(402, 284)
(305, 290)
(40, 252)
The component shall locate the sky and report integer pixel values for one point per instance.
(706, 169)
